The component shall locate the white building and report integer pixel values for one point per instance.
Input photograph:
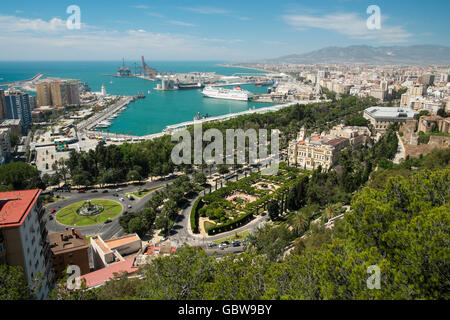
(382, 117)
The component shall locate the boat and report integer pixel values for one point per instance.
(148, 91)
(227, 94)
(103, 124)
(265, 83)
(187, 86)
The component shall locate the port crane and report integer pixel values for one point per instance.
(147, 70)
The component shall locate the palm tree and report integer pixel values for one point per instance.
(299, 222)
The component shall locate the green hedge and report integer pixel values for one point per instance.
(242, 220)
(194, 214)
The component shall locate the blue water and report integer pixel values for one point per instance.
(159, 109)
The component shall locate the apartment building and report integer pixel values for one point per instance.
(58, 92)
(24, 239)
(18, 106)
(69, 247)
(3, 113)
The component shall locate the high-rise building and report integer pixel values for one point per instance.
(24, 238)
(2, 105)
(427, 79)
(44, 95)
(58, 92)
(18, 106)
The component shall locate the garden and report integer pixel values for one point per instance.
(238, 202)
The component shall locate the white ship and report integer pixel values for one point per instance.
(227, 94)
(103, 124)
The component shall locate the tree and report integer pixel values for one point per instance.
(134, 175)
(170, 209)
(137, 225)
(178, 277)
(200, 178)
(274, 209)
(20, 176)
(223, 169)
(12, 284)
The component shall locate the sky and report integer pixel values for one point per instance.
(230, 30)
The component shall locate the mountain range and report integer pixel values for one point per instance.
(395, 55)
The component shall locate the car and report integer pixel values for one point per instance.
(94, 191)
(108, 221)
(236, 243)
(105, 191)
(163, 238)
(118, 190)
(50, 217)
(130, 206)
(131, 198)
(122, 199)
(224, 245)
(212, 245)
(81, 191)
(115, 194)
(52, 211)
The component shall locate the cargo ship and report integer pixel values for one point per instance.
(187, 86)
(227, 94)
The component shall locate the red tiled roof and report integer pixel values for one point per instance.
(335, 142)
(99, 277)
(15, 206)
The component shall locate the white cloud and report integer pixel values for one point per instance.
(181, 23)
(155, 14)
(206, 10)
(349, 24)
(140, 6)
(27, 39)
(16, 24)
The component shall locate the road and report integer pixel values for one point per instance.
(181, 231)
(107, 231)
(401, 152)
(179, 234)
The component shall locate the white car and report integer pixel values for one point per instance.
(122, 199)
(129, 206)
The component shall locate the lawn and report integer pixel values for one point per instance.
(69, 216)
(240, 236)
(144, 192)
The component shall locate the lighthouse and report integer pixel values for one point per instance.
(103, 90)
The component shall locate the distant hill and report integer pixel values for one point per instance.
(404, 55)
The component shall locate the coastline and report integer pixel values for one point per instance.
(170, 129)
(244, 67)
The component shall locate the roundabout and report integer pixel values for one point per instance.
(88, 213)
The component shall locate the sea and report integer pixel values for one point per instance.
(160, 108)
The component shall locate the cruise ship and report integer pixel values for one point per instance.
(227, 94)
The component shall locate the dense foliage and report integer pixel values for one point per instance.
(403, 229)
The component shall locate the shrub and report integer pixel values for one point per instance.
(194, 214)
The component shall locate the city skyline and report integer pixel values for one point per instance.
(211, 30)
